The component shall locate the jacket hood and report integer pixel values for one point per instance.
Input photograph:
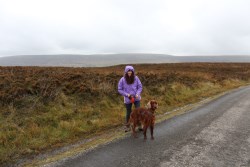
(127, 68)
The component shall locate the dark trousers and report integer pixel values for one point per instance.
(129, 109)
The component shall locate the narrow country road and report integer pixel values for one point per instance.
(214, 135)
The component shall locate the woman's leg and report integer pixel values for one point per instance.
(128, 111)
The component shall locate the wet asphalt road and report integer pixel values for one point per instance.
(214, 135)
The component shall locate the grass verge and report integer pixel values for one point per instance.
(188, 100)
(115, 134)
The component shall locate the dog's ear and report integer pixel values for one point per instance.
(149, 104)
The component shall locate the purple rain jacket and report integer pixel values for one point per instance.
(133, 89)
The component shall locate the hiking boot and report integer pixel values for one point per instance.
(140, 129)
(126, 129)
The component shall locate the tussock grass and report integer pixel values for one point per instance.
(44, 108)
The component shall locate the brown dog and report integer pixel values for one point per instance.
(145, 116)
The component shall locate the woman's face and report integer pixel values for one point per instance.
(129, 73)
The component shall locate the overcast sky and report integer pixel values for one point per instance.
(176, 27)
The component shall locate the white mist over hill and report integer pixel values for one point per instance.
(110, 59)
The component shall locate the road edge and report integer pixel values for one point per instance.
(58, 156)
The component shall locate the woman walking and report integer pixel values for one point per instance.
(130, 87)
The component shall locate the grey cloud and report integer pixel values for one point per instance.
(116, 26)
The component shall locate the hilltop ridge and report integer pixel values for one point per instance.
(103, 60)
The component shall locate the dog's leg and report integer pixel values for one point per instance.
(133, 128)
(152, 131)
(145, 127)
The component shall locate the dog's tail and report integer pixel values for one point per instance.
(130, 121)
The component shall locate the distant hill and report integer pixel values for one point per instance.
(98, 60)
